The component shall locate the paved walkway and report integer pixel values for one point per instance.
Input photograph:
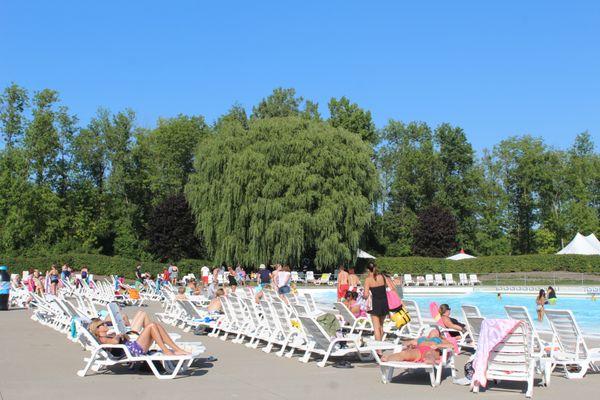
(38, 363)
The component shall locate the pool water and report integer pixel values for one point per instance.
(586, 312)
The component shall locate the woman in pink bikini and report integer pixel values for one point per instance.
(424, 349)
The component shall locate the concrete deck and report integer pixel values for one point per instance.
(38, 363)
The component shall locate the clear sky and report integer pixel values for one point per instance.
(495, 68)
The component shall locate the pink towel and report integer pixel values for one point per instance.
(493, 331)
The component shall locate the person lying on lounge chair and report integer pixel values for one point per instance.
(215, 304)
(425, 349)
(152, 333)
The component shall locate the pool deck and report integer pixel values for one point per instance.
(38, 363)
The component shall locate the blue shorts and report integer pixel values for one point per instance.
(284, 290)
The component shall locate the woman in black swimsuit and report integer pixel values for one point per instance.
(231, 278)
(375, 287)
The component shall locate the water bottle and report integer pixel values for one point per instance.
(4, 287)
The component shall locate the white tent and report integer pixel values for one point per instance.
(582, 245)
(363, 254)
(593, 240)
(461, 255)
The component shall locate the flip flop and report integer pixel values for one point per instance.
(343, 364)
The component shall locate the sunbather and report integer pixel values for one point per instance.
(153, 333)
(215, 304)
(449, 322)
(424, 349)
(181, 293)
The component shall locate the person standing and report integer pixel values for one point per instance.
(138, 273)
(539, 304)
(204, 273)
(283, 282)
(551, 295)
(54, 277)
(4, 287)
(231, 279)
(353, 280)
(375, 289)
(274, 274)
(174, 274)
(342, 283)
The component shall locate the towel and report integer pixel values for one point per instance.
(493, 331)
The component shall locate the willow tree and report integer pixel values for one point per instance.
(282, 189)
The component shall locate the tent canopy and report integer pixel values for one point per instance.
(584, 245)
(461, 255)
(363, 254)
(593, 240)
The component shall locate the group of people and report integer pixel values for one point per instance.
(543, 298)
(49, 282)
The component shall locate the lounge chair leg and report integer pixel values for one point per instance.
(306, 356)
(387, 373)
(580, 374)
(84, 371)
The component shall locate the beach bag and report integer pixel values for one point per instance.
(393, 299)
(134, 294)
(400, 318)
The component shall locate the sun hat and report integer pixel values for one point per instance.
(262, 266)
(395, 276)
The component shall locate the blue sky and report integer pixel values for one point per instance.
(494, 68)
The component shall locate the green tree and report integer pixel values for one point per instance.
(284, 189)
(41, 138)
(281, 103)
(458, 181)
(170, 152)
(13, 103)
(350, 116)
(435, 232)
(171, 229)
(521, 161)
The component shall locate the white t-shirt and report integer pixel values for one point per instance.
(205, 271)
(282, 278)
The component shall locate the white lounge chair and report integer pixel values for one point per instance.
(473, 328)
(438, 280)
(568, 347)
(511, 359)
(470, 311)
(102, 357)
(435, 370)
(325, 279)
(354, 324)
(473, 280)
(296, 278)
(429, 280)
(463, 280)
(310, 277)
(449, 280)
(415, 328)
(408, 280)
(320, 343)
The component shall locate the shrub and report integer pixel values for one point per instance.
(98, 264)
(491, 264)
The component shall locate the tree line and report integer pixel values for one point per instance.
(281, 184)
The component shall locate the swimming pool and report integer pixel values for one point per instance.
(586, 312)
